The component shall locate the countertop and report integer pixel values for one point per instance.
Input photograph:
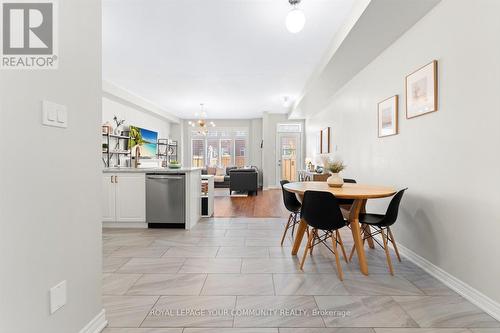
(148, 170)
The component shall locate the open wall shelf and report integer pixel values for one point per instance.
(113, 143)
(167, 150)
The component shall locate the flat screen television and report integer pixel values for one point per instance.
(146, 139)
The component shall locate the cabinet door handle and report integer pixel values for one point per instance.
(116, 179)
(112, 179)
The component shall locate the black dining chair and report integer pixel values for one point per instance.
(321, 211)
(382, 225)
(347, 203)
(293, 206)
(344, 203)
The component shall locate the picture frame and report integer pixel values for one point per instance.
(106, 129)
(387, 116)
(421, 91)
(324, 141)
(145, 139)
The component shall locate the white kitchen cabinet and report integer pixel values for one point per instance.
(108, 198)
(124, 198)
(130, 198)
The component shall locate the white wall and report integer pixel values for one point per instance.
(134, 116)
(177, 133)
(449, 159)
(255, 151)
(50, 210)
(269, 161)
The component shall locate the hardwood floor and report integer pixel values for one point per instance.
(267, 203)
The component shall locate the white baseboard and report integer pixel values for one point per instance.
(97, 324)
(136, 225)
(472, 295)
(271, 188)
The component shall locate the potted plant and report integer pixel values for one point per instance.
(174, 164)
(335, 168)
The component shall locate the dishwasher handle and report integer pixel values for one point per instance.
(165, 177)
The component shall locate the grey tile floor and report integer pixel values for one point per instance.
(229, 275)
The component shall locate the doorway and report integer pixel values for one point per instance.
(289, 152)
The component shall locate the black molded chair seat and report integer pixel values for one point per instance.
(381, 224)
(290, 200)
(294, 208)
(372, 219)
(347, 202)
(321, 211)
(293, 205)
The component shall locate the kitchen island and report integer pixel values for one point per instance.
(126, 198)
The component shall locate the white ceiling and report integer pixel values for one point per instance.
(372, 27)
(236, 56)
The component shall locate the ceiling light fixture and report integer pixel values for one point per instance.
(201, 123)
(287, 102)
(295, 20)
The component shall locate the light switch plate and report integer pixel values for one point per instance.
(55, 115)
(57, 296)
(62, 116)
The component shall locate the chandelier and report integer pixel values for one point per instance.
(201, 124)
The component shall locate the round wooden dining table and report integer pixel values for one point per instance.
(359, 193)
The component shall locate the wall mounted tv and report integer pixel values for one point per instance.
(146, 139)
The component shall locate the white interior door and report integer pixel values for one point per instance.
(289, 155)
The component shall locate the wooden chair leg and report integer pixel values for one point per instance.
(393, 243)
(286, 229)
(315, 234)
(309, 241)
(341, 246)
(354, 248)
(386, 249)
(337, 259)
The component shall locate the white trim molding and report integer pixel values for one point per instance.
(97, 324)
(131, 225)
(474, 296)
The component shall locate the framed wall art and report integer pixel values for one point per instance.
(388, 117)
(422, 91)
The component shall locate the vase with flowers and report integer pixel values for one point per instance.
(335, 168)
(119, 123)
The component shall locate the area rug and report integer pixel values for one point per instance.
(224, 192)
(239, 194)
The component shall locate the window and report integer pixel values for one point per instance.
(220, 147)
(198, 153)
(289, 128)
(226, 152)
(240, 152)
(213, 152)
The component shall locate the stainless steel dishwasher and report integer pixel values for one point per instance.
(166, 200)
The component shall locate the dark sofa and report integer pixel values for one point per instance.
(220, 184)
(244, 179)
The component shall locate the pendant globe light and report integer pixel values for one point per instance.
(295, 20)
